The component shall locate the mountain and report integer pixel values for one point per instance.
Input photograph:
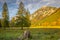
(46, 16)
(52, 20)
(43, 12)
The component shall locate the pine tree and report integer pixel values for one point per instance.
(21, 9)
(5, 16)
(22, 22)
(21, 13)
(28, 14)
(28, 17)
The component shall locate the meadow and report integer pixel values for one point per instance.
(36, 33)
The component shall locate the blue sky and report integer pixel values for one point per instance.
(32, 5)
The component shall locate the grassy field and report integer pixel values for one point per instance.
(37, 34)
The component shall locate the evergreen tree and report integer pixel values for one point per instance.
(21, 9)
(28, 14)
(21, 13)
(5, 16)
(28, 17)
(23, 20)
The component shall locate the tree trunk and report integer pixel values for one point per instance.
(21, 28)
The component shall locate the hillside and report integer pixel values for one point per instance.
(52, 20)
(42, 13)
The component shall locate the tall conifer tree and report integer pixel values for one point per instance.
(5, 16)
(23, 13)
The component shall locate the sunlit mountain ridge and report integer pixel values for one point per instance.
(46, 16)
